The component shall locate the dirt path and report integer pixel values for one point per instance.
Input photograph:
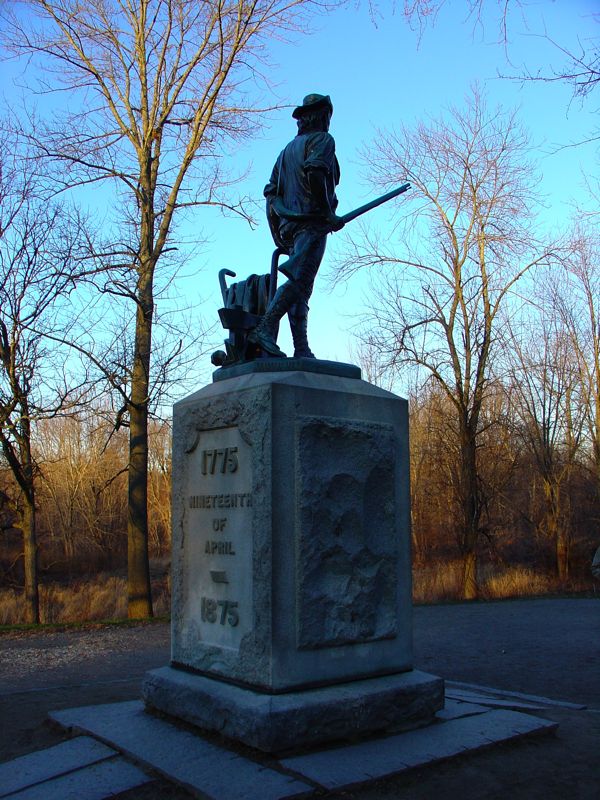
(544, 647)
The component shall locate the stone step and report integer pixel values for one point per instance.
(179, 754)
(343, 767)
(210, 770)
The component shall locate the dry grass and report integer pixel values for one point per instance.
(100, 598)
(105, 596)
(441, 582)
(517, 582)
(437, 582)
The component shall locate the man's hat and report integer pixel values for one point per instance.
(311, 103)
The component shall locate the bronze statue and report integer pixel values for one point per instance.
(301, 205)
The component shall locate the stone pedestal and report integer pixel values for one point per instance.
(291, 589)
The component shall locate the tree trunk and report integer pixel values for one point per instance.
(562, 553)
(25, 478)
(139, 603)
(30, 558)
(471, 511)
(554, 525)
(470, 590)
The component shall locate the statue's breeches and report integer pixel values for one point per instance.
(305, 259)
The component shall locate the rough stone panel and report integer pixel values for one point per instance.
(346, 532)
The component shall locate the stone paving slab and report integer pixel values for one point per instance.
(493, 702)
(95, 782)
(50, 763)
(454, 709)
(216, 772)
(472, 692)
(180, 755)
(346, 766)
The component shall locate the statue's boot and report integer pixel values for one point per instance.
(265, 332)
(298, 317)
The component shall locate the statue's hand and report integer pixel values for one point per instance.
(335, 223)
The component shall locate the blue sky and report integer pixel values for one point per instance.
(380, 74)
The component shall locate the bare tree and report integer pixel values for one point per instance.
(432, 458)
(421, 13)
(161, 86)
(160, 486)
(546, 405)
(37, 272)
(577, 298)
(82, 488)
(438, 294)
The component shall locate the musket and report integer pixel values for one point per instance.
(374, 203)
(275, 209)
(280, 210)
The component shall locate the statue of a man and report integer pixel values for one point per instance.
(301, 205)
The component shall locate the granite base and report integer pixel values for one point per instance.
(295, 720)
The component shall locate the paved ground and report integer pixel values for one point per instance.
(544, 647)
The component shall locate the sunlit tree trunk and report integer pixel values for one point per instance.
(30, 546)
(554, 525)
(139, 587)
(562, 552)
(30, 560)
(470, 501)
(17, 451)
